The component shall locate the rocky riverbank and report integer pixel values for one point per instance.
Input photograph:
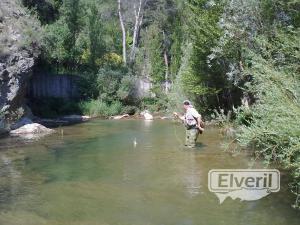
(19, 50)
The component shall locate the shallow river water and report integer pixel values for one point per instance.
(94, 174)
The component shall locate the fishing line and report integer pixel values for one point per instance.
(176, 135)
(175, 98)
(174, 121)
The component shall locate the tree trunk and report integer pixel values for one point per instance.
(123, 32)
(137, 25)
(167, 72)
(167, 66)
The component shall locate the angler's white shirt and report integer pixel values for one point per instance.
(190, 116)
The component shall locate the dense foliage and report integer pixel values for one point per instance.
(259, 49)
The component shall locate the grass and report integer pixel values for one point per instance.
(97, 108)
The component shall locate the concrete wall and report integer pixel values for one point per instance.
(43, 85)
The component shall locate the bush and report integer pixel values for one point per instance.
(129, 109)
(157, 104)
(108, 83)
(126, 89)
(149, 104)
(274, 131)
(96, 108)
(114, 108)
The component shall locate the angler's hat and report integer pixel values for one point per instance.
(187, 102)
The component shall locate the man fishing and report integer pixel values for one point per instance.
(193, 123)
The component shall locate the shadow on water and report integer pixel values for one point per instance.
(126, 172)
(200, 146)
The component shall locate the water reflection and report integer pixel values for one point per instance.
(192, 174)
(11, 182)
(148, 123)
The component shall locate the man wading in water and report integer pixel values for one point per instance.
(193, 123)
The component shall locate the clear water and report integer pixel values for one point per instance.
(93, 174)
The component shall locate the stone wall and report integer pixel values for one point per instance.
(43, 85)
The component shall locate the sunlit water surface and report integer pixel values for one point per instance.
(94, 174)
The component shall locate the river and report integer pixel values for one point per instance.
(93, 174)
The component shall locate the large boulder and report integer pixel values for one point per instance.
(30, 131)
(18, 50)
(146, 114)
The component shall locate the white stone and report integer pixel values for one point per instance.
(119, 117)
(147, 115)
(33, 128)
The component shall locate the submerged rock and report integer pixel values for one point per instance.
(62, 121)
(75, 118)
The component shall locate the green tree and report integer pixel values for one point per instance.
(95, 30)
(47, 10)
(72, 11)
(206, 81)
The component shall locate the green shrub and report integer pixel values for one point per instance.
(149, 104)
(272, 128)
(93, 107)
(157, 104)
(114, 108)
(96, 108)
(149, 101)
(129, 109)
(126, 89)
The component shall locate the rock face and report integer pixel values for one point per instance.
(20, 123)
(18, 51)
